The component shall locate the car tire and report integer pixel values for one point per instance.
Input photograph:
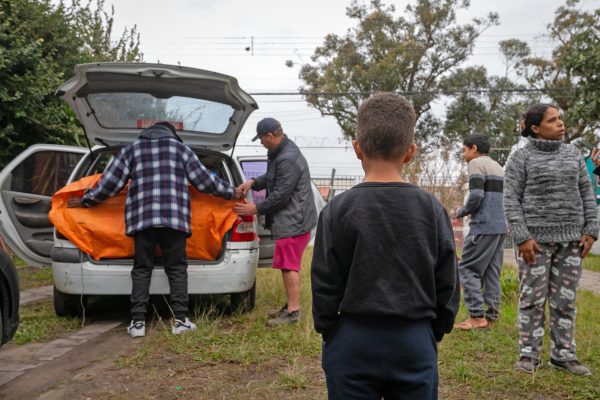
(68, 305)
(244, 302)
(2, 339)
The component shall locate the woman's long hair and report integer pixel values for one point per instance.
(534, 116)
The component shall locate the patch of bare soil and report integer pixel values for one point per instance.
(83, 368)
(171, 376)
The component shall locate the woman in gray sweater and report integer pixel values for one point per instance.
(551, 213)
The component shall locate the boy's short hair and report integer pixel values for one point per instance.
(385, 126)
(482, 142)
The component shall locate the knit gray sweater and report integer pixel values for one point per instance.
(548, 194)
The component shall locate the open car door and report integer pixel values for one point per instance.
(253, 167)
(27, 184)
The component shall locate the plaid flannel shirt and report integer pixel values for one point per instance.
(160, 168)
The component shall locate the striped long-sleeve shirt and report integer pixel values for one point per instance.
(160, 168)
(486, 180)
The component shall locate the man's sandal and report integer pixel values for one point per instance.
(472, 324)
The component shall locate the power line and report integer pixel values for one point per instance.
(415, 92)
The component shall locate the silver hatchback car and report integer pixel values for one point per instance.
(114, 102)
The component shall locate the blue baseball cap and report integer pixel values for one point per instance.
(266, 125)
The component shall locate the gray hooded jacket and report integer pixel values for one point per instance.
(289, 208)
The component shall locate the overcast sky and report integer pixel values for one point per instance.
(213, 35)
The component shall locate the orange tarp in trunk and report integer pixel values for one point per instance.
(100, 230)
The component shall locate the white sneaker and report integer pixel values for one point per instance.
(137, 329)
(183, 326)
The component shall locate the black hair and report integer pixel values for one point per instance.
(481, 141)
(171, 127)
(168, 125)
(385, 125)
(534, 116)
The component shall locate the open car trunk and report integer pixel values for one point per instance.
(99, 232)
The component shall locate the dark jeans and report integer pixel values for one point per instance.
(375, 357)
(172, 245)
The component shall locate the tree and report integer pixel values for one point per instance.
(408, 54)
(486, 104)
(94, 27)
(569, 78)
(40, 44)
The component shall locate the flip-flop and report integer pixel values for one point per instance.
(467, 326)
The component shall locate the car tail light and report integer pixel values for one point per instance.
(243, 229)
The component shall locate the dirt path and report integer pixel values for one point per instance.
(48, 369)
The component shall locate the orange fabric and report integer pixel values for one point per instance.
(100, 230)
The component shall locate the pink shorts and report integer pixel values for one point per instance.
(288, 252)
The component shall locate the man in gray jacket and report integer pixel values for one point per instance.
(289, 210)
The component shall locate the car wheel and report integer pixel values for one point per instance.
(245, 301)
(68, 305)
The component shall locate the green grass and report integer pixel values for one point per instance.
(32, 277)
(39, 323)
(479, 364)
(238, 356)
(592, 262)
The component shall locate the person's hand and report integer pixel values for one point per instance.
(455, 213)
(238, 194)
(246, 186)
(595, 154)
(74, 202)
(244, 209)
(586, 243)
(527, 251)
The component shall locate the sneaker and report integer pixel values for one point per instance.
(137, 329)
(285, 318)
(527, 364)
(183, 326)
(572, 366)
(277, 313)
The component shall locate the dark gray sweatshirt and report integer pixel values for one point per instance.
(385, 249)
(548, 194)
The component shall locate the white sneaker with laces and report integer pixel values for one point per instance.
(136, 329)
(183, 326)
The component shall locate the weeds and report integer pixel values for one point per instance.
(39, 323)
(592, 262)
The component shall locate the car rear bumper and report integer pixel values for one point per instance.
(235, 272)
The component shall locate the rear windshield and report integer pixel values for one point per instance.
(140, 110)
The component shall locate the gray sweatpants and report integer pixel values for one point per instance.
(555, 276)
(480, 268)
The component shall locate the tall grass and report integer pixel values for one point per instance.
(238, 356)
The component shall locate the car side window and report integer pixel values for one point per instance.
(252, 169)
(44, 172)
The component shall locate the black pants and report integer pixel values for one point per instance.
(381, 357)
(172, 245)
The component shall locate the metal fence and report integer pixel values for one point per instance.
(335, 184)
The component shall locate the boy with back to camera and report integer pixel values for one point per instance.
(384, 277)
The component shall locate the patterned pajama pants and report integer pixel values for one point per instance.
(555, 277)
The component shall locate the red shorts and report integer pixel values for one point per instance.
(289, 250)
